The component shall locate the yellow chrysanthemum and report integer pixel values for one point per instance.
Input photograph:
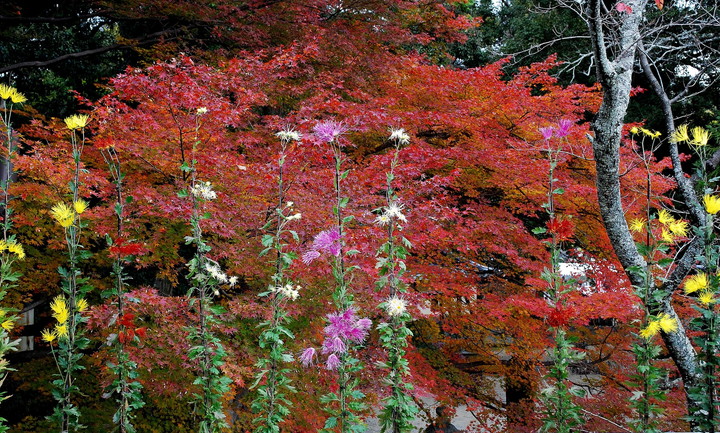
(63, 214)
(76, 121)
(652, 328)
(16, 249)
(60, 310)
(706, 297)
(17, 98)
(6, 91)
(82, 305)
(61, 331)
(680, 135)
(664, 217)
(8, 325)
(667, 324)
(667, 236)
(712, 204)
(634, 130)
(637, 225)
(48, 335)
(80, 206)
(679, 228)
(2, 313)
(700, 136)
(696, 282)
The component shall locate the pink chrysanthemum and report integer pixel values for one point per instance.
(332, 362)
(563, 128)
(328, 241)
(307, 356)
(547, 132)
(329, 131)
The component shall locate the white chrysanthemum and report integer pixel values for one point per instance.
(202, 110)
(215, 272)
(288, 135)
(297, 216)
(395, 306)
(288, 291)
(233, 280)
(382, 220)
(395, 211)
(203, 190)
(399, 135)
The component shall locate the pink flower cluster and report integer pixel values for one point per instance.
(329, 131)
(328, 241)
(342, 328)
(562, 130)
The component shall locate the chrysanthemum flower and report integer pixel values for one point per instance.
(706, 297)
(712, 204)
(6, 91)
(307, 356)
(16, 248)
(634, 130)
(637, 225)
(679, 228)
(60, 310)
(76, 121)
(81, 305)
(700, 136)
(203, 190)
(328, 241)
(649, 133)
(80, 206)
(696, 282)
(652, 328)
(63, 214)
(48, 335)
(8, 325)
(61, 330)
(563, 128)
(288, 134)
(547, 132)
(667, 323)
(680, 134)
(395, 306)
(400, 136)
(333, 362)
(667, 236)
(664, 217)
(329, 131)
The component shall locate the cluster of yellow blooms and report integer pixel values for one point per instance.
(700, 136)
(76, 121)
(13, 247)
(11, 94)
(7, 323)
(700, 283)
(662, 322)
(65, 215)
(671, 230)
(61, 313)
(646, 132)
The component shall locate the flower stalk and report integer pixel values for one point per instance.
(399, 409)
(271, 402)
